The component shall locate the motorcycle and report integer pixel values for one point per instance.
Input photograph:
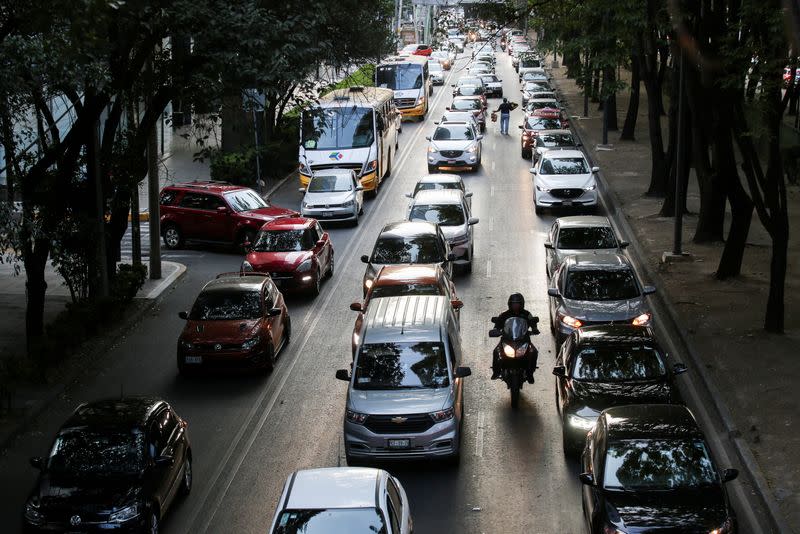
(515, 349)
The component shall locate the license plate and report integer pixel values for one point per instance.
(451, 161)
(399, 443)
(567, 203)
(194, 359)
(327, 214)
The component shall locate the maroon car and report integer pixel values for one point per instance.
(214, 211)
(295, 251)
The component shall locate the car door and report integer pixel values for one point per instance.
(454, 347)
(556, 283)
(192, 214)
(163, 471)
(359, 193)
(322, 248)
(550, 253)
(275, 323)
(219, 220)
(398, 506)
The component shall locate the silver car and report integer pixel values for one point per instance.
(441, 181)
(454, 144)
(579, 234)
(450, 210)
(333, 195)
(459, 116)
(596, 289)
(405, 395)
(436, 72)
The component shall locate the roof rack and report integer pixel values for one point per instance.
(203, 184)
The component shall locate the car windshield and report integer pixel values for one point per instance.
(330, 184)
(442, 214)
(283, 241)
(454, 132)
(527, 63)
(618, 284)
(590, 237)
(323, 521)
(401, 366)
(534, 87)
(245, 200)
(542, 123)
(489, 78)
(93, 452)
(415, 249)
(470, 90)
(658, 464)
(227, 305)
(399, 77)
(466, 104)
(469, 81)
(614, 364)
(564, 166)
(534, 105)
(408, 288)
(555, 140)
(458, 116)
(341, 127)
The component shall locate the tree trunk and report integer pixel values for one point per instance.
(658, 162)
(629, 128)
(572, 60)
(595, 95)
(237, 131)
(35, 260)
(609, 80)
(682, 173)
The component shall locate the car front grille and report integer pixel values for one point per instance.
(280, 276)
(213, 347)
(399, 424)
(451, 153)
(405, 102)
(566, 193)
(324, 206)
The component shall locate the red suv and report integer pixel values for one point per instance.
(214, 211)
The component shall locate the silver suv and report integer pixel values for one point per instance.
(405, 398)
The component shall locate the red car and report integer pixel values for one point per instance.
(418, 49)
(531, 126)
(214, 211)
(295, 251)
(239, 321)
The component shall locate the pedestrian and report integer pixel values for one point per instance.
(505, 114)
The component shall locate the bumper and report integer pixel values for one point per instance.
(439, 441)
(222, 360)
(137, 524)
(330, 215)
(494, 92)
(546, 200)
(464, 160)
(417, 111)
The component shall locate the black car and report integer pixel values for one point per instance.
(115, 465)
(609, 365)
(648, 468)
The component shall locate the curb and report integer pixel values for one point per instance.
(277, 186)
(611, 200)
(144, 216)
(165, 283)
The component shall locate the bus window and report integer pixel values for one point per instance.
(344, 127)
(400, 77)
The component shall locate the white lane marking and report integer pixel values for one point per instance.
(491, 191)
(491, 224)
(493, 166)
(488, 268)
(479, 435)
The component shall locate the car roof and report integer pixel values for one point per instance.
(559, 154)
(441, 178)
(208, 186)
(409, 228)
(650, 421)
(236, 281)
(390, 275)
(406, 318)
(557, 132)
(615, 334)
(119, 412)
(334, 487)
(464, 97)
(289, 223)
(333, 170)
(580, 221)
(439, 196)
(592, 262)
(548, 100)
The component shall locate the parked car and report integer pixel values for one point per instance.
(436, 72)
(609, 365)
(563, 179)
(531, 127)
(553, 140)
(407, 242)
(593, 289)
(466, 80)
(342, 499)
(238, 321)
(454, 144)
(534, 77)
(115, 465)
(578, 234)
(296, 252)
(444, 58)
(333, 195)
(450, 210)
(441, 181)
(647, 468)
(494, 85)
(214, 211)
(473, 104)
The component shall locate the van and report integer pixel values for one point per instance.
(405, 396)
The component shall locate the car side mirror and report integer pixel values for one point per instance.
(364, 259)
(359, 187)
(183, 315)
(273, 312)
(586, 479)
(494, 332)
(595, 169)
(623, 244)
(648, 290)
(473, 220)
(165, 460)
(457, 304)
(532, 170)
(579, 144)
(462, 372)
(552, 292)
(548, 245)
(679, 368)
(451, 257)
(343, 374)
(468, 194)
(452, 85)
(479, 137)
(436, 122)
(356, 306)
(427, 137)
(729, 474)
(521, 127)
(37, 462)
(560, 370)
(409, 195)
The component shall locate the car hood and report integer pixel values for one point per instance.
(400, 401)
(685, 511)
(220, 331)
(562, 253)
(268, 214)
(451, 145)
(556, 181)
(339, 197)
(604, 311)
(277, 261)
(86, 493)
(601, 395)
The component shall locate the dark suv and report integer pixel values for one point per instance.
(214, 211)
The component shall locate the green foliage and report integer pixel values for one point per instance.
(235, 167)
(363, 76)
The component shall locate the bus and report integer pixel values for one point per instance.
(408, 77)
(352, 128)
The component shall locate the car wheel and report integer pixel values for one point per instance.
(352, 462)
(287, 330)
(315, 287)
(331, 267)
(269, 359)
(501, 95)
(173, 237)
(388, 171)
(355, 217)
(468, 266)
(537, 208)
(186, 482)
(153, 525)
(552, 324)
(245, 236)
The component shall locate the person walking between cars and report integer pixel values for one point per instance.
(516, 308)
(505, 115)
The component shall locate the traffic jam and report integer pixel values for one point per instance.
(644, 464)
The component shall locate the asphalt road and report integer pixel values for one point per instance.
(249, 433)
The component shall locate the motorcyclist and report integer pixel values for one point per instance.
(516, 308)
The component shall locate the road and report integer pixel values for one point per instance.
(249, 433)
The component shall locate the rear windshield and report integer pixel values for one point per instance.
(400, 290)
(416, 249)
(658, 464)
(613, 364)
(401, 366)
(541, 123)
(470, 90)
(284, 241)
(586, 238)
(330, 520)
(468, 104)
(564, 166)
(618, 284)
(555, 140)
(443, 214)
(233, 305)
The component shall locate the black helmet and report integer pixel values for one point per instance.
(516, 298)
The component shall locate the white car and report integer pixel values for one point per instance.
(494, 85)
(454, 144)
(435, 72)
(459, 116)
(342, 499)
(333, 195)
(563, 179)
(437, 182)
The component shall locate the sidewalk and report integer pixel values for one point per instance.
(753, 372)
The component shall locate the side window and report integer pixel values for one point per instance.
(269, 301)
(395, 505)
(193, 201)
(319, 231)
(167, 197)
(309, 238)
(167, 422)
(455, 351)
(212, 202)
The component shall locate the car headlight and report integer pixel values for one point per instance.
(443, 415)
(185, 344)
(368, 283)
(349, 204)
(570, 321)
(32, 513)
(304, 205)
(642, 320)
(581, 423)
(355, 417)
(590, 188)
(542, 189)
(421, 100)
(250, 343)
(124, 514)
(371, 166)
(726, 528)
(432, 150)
(305, 266)
(472, 149)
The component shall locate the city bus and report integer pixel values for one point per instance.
(352, 128)
(408, 77)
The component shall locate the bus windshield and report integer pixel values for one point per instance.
(344, 127)
(399, 77)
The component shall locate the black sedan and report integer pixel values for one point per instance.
(648, 468)
(115, 465)
(609, 365)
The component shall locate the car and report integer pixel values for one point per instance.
(444, 58)
(333, 195)
(417, 49)
(548, 109)
(459, 116)
(239, 321)
(214, 212)
(436, 72)
(563, 179)
(405, 394)
(342, 499)
(551, 95)
(787, 76)
(535, 77)
(553, 140)
(405, 242)
(458, 44)
(472, 90)
(454, 144)
(401, 280)
(466, 80)
(115, 465)
(542, 104)
(527, 62)
(532, 126)
(473, 104)
(441, 181)
(529, 88)
(296, 252)
(450, 210)
(577, 234)
(590, 289)
(648, 468)
(609, 365)
(494, 85)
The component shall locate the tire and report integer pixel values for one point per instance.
(552, 325)
(527, 154)
(501, 94)
(329, 274)
(269, 364)
(173, 237)
(315, 288)
(245, 236)
(567, 444)
(468, 266)
(287, 331)
(353, 462)
(538, 209)
(355, 217)
(186, 481)
(432, 169)
(388, 172)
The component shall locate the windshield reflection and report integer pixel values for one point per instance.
(657, 464)
(401, 366)
(86, 452)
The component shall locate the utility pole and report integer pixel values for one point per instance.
(154, 212)
(136, 234)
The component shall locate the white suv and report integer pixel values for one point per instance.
(563, 178)
(333, 195)
(454, 144)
